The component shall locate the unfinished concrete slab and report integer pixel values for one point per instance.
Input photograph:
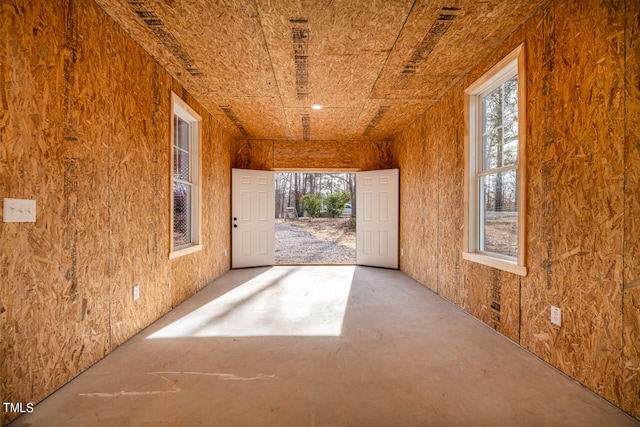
(321, 346)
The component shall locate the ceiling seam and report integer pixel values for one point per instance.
(353, 130)
(164, 67)
(275, 77)
(468, 71)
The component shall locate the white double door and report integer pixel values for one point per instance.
(253, 218)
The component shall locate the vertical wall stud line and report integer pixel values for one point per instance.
(624, 187)
(109, 227)
(438, 168)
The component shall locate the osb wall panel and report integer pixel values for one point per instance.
(53, 315)
(265, 62)
(324, 124)
(631, 307)
(84, 130)
(268, 154)
(337, 74)
(383, 118)
(250, 116)
(575, 210)
(413, 235)
(375, 155)
(254, 154)
(427, 192)
(492, 296)
(216, 201)
(449, 130)
(315, 154)
(191, 273)
(138, 173)
(399, 154)
(473, 26)
(239, 75)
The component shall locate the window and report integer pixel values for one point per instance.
(185, 212)
(495, 172)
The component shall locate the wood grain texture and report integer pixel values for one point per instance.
(449, 131)
(317, 155)
(43, 283)
(581, 210)
(84, 130)
(576, 163)
(261, 64)
(138, 214)
(253, 154)
(375, 155)
(233, 69)
(631, 297)
(412, 232)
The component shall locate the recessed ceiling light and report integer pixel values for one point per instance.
(316, 106)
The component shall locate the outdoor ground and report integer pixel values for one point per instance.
(501, 233)
(316, 241)
(333, 241)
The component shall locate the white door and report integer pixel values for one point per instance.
(377, 219)
(252, 218)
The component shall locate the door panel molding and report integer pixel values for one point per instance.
(253, 218)
(377, 198)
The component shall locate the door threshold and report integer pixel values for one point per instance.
(313, 265)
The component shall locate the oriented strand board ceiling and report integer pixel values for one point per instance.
(375, 65)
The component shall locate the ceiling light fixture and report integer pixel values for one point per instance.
(316, 106)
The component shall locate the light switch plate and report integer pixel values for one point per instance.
(136, 292)
(556, 316)
(19, 210)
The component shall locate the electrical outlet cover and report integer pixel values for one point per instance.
(136, 292)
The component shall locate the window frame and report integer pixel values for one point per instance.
(510, 65)
(181, 109)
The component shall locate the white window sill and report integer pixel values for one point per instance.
(184, 251)
(500, 264)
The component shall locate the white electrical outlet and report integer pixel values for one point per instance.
(556, 316)
(19, 210)
(225, 251)
(136, 292)
(402, 252)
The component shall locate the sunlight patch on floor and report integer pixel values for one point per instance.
(283, 301)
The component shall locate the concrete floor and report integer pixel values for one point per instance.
(321, 346)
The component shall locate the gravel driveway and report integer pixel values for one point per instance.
(297, 246)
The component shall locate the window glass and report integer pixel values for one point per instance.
(499, 213)
(181, 214)
(181, 150)
(182, 133)
(181, 164)
(185, 178)
(497, 195)
(500, 126)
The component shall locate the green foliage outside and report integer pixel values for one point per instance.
(335, 203)
(312, 205)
